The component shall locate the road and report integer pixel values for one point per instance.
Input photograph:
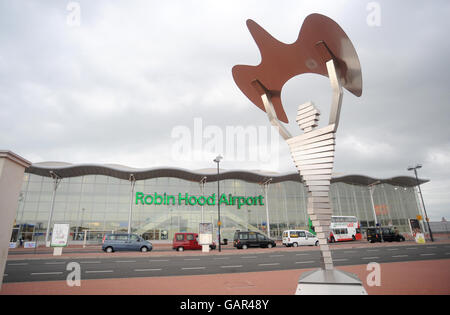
(240, 261)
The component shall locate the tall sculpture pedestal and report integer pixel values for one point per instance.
(329, 282)
(12, 168)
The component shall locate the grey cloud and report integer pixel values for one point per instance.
(114, 89)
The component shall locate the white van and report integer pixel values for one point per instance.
(299, 237)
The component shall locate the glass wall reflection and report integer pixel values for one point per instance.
(101, 203)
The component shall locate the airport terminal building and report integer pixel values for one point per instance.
(159, 202)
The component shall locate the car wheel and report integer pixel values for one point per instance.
(109, 249)
(244, 246)
(144, 249)
(295, 244)
(317, 243)
(269, 245)
(180, 249)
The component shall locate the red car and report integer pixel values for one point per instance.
(182, 241)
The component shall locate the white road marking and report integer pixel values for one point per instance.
(305, 262)
(392, 248)
(90, 262)
(245, 257)
(340, 259)
(396, 256)
(427, 254)
(237, 266)
(143, 270)
(276, 255)
(192, 259)
(155, 260)
(370, 257)
(17, 264)
(349, 251)
(223, 258)
(411, 248)
(373, 250)
(302, 254)
(192, 268)
(272, 264)
(55, 263)
(125, 261)
(99, 271)
(45, 273)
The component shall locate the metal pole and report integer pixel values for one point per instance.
(56, 180)
(202, 186)
(371, 190)
(85, 237)
(266, 187)
(217, 160)
(218, 205)
(133, 181)
(423, 204)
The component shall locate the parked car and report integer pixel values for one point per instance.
(299, 237)
(389, 235)
(182, 241)
(125, 242)
(244, 240)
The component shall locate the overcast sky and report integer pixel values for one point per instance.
(116, 82)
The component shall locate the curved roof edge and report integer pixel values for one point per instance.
(65, 170)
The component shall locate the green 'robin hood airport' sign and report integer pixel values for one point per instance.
(190, 200)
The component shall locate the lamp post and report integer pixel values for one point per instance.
(56, 180)
(266, 187)
(202, 187)
(371, 189)
(421, 197)
(132, 180)
(217, 160)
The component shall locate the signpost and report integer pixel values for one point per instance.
(416, 230)
(205, 236)
(29, 245)
(60, 236)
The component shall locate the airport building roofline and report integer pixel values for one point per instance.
(65, 170)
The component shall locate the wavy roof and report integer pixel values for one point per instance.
(65, 170)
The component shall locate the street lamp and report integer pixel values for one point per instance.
(217, 160)
(421, 197)
(266, 187)
(371, 189)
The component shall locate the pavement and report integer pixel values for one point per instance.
(418, 277)
(431, 276)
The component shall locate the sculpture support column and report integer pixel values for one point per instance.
(12, 168)
(313, 155)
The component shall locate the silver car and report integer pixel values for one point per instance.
(125, 242)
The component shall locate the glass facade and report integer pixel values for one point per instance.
(100, 203)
